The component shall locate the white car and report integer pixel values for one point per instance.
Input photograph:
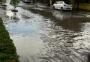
(62, 5)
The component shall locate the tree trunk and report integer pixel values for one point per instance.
(50, 3)
(77, 4)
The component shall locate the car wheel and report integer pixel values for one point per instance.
(61, 8)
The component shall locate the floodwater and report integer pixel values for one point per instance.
(50, 35)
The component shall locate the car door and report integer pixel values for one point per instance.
(59, 5)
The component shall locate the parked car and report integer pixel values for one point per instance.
(62, 5)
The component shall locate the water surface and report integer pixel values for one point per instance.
(50, 36)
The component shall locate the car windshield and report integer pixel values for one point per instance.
(61, 2)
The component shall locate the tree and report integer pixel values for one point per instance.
(75, 3)
(14, 3)
(50, 2)
(2, 1)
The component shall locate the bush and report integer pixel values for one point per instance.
(85, 6)
(7, 48)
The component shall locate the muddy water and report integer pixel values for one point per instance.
(50, 36)
(25, 32)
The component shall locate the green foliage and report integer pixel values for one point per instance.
(85, 6)
(7, 48)
(14, 2)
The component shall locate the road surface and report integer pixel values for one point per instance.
(44, 35)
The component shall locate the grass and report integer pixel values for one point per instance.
(85, 6)
(7, 48)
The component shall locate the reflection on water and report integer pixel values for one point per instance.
(61, 15)
(69, 20)
(62, 37)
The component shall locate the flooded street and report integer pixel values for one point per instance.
(50, 35)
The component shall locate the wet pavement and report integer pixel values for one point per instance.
(50, 35)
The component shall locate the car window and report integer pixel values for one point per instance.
(59, 2)
(67, 2)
